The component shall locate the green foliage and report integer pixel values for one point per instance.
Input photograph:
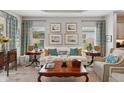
(89, 47)
(35, 45)
(36, 34)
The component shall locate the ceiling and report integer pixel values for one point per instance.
(61, 13)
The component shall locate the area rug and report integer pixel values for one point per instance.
(30, 74)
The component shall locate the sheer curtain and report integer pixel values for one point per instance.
(11, 30)
(101, 32)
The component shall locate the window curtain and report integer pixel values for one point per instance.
(11, 30)
(101, 32)
(25, 35)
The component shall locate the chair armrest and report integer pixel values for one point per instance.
(107, 66)
(117, 69)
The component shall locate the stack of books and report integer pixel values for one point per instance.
(50, 65)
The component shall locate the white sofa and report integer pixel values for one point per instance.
(46, 59)
(102, 68)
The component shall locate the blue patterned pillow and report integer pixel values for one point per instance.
(111, 58)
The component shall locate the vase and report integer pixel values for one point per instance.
(64, 64)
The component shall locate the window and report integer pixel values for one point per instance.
(89, 35)
(38, 38)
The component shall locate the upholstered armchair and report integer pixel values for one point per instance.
(116, 74)
(102, 68)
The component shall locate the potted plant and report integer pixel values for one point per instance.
(89, 47)
(36, 47)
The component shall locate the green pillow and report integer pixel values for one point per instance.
(53, 52)
(73, 51)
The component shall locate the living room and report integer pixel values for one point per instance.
(24, 68)
(57, 34)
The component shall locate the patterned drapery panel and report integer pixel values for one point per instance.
(11, 30)
(101, 32)
(25, 35)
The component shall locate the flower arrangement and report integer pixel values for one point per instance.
(4, 39)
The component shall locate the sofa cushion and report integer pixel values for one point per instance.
(73, 51)
(81, 58)
(53, 52)
(62, 52)
(111, 58)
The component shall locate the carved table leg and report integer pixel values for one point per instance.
(7, 68)
(30, 64)
(87, 78)
(39, 78)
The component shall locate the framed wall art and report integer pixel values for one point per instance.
(108, 38)
(71, 27)
(55, 27)
(55, 39)
(71, 39)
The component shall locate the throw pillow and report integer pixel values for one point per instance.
(79, 51)
(73, 51)
(62, 52)
(46, 52)
(111, 58)
(53, 52)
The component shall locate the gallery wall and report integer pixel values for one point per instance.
(63, 21)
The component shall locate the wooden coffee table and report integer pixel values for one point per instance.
(59, 71)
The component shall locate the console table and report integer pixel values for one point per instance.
(2, 59)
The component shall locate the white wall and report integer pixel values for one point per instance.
(111, 30)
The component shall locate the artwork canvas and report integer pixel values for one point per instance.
(55, 39)
(71, 27)
(55, 27)
(71, 39)
(108, 38)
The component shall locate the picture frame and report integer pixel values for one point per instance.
(55, 27)
(108, 38)
(71, 27)
(71, 39)
(55, 39)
